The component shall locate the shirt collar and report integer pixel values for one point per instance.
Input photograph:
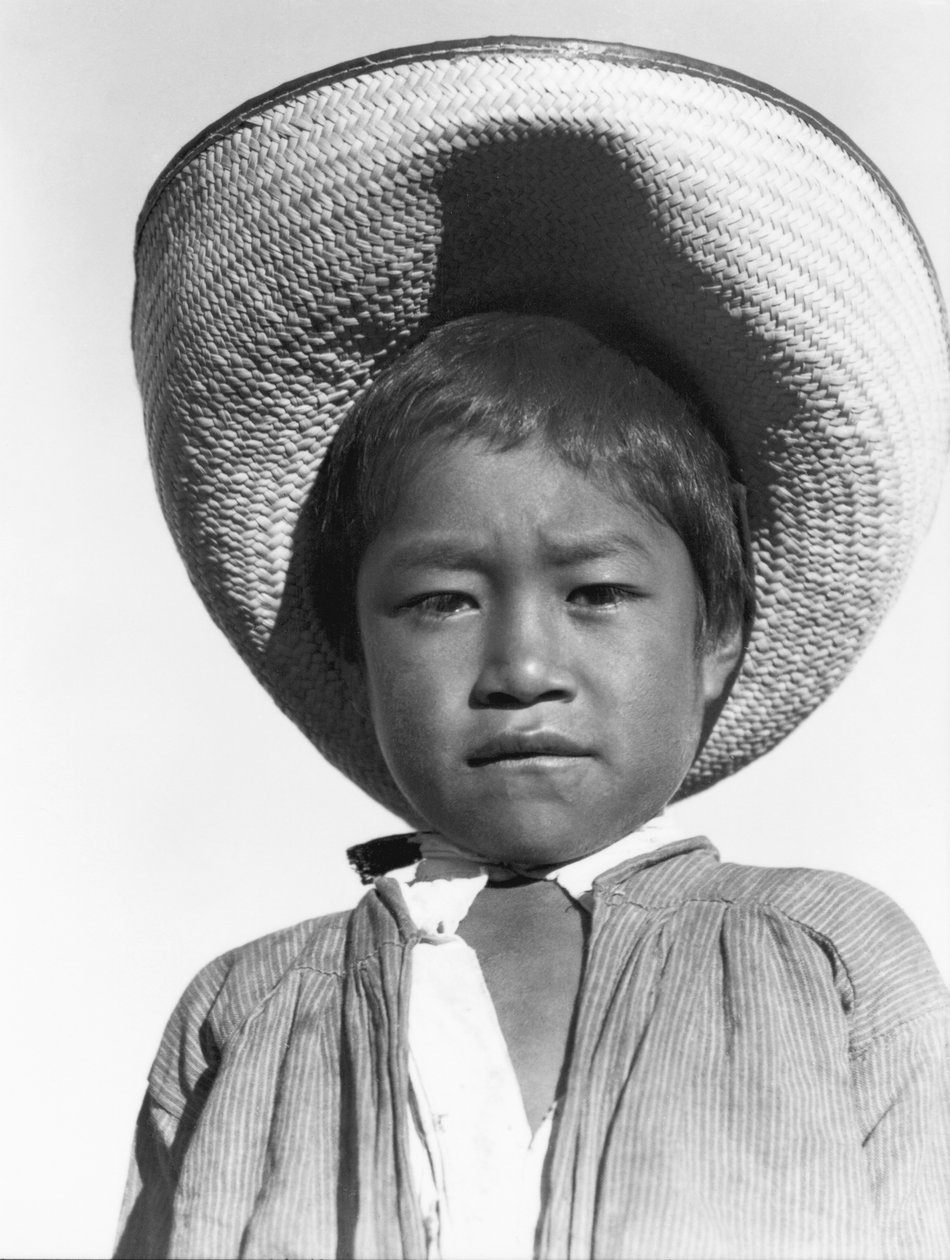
(440, 888)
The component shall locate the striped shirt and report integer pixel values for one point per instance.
(759, 1069)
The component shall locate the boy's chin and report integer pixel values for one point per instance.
(542, 828)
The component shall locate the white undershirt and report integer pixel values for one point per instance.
(477, 1168)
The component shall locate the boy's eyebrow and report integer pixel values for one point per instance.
(452, 553)
(595, 547)
(441, 553)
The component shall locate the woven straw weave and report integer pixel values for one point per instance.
(297, 245)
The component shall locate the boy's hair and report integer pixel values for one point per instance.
(504, 379)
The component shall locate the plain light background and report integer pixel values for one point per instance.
(157, 808)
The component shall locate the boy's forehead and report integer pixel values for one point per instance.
(464, 495)
(570, 545)
(476, 467)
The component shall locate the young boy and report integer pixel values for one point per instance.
(518, 604)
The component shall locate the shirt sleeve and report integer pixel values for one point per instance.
(904, 1084)
(146, 1217)
(179, 1082)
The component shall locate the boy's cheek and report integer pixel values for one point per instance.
(403, 694)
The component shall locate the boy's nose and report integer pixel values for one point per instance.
(523, 664)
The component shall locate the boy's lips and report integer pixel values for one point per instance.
(512, 746)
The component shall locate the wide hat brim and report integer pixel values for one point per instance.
(296, 246)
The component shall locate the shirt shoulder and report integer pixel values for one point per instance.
(226, 992)
(881, 962)
(239, 978)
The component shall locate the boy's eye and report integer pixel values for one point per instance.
(440, 603)
(601, 595)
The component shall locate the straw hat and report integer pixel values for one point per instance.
(298, 244)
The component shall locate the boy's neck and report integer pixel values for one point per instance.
(443, 859)
(530, 940)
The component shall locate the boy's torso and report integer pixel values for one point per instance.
(740, 1035)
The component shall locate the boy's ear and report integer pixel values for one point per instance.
(720, 665)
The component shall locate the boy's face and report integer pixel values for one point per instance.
(530, 662)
